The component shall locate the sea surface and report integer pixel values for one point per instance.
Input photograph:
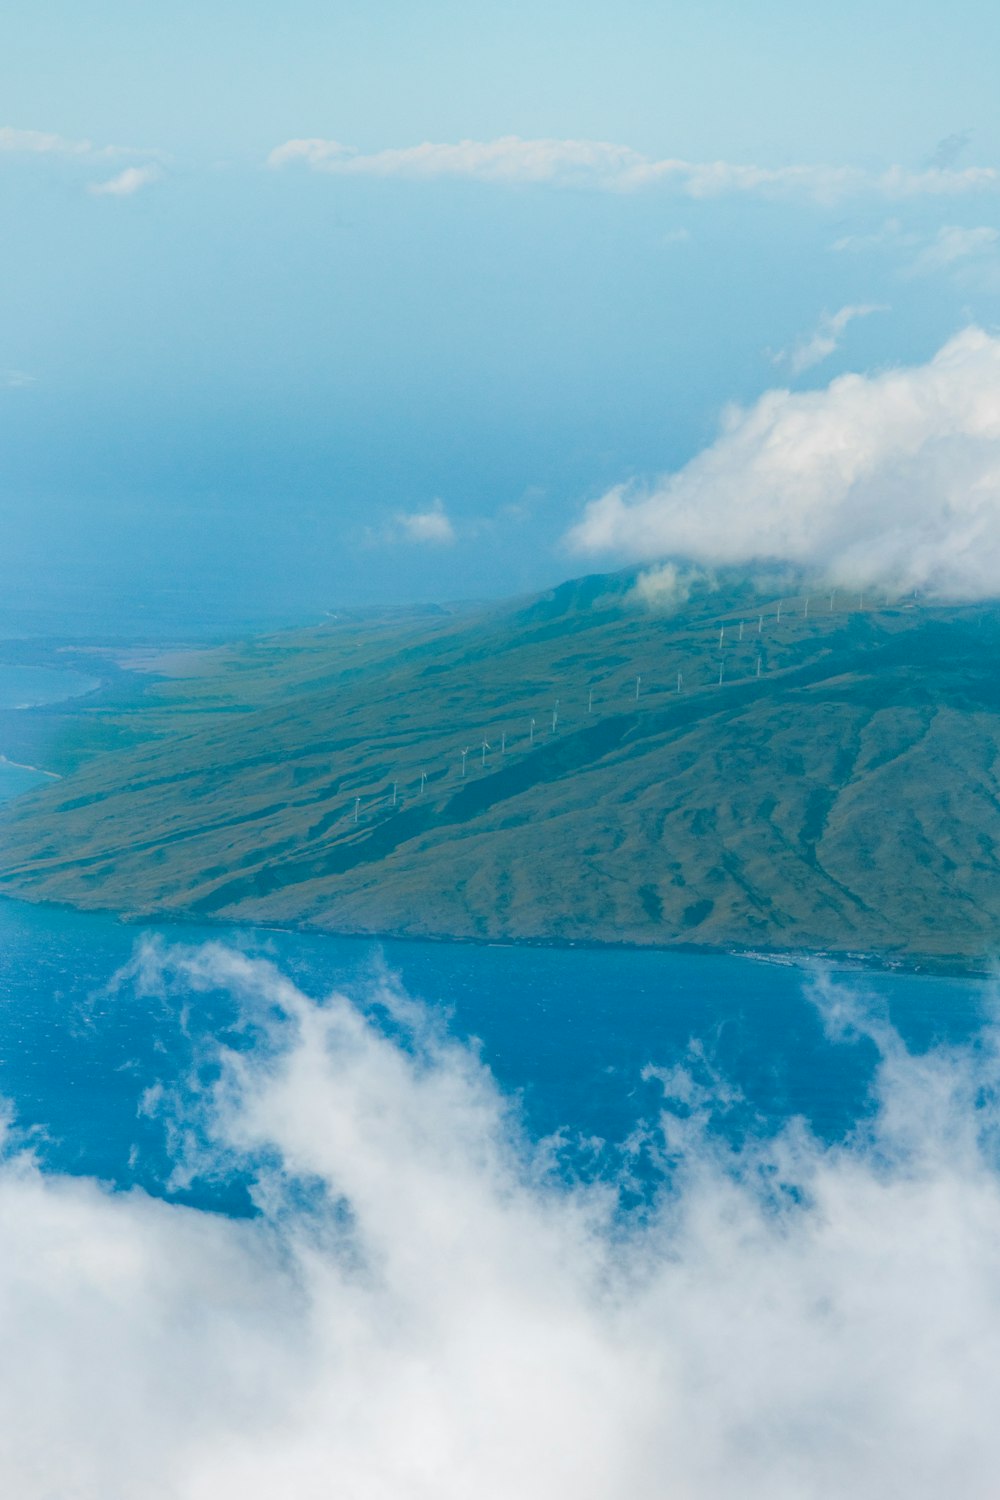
(25, 687)
(31, 687)
(569, 1034)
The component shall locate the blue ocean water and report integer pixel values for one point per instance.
(568, 1032)
(30, 687)
(15, 779)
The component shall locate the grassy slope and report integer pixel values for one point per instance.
(847, 798)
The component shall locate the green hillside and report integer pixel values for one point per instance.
(847, 797)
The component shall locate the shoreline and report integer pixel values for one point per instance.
(20, 765)
(926, 966)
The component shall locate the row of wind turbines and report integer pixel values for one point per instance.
(388, 802)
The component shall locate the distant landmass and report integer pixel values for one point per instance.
(744, 769)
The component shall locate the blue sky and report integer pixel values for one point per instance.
(233, 389)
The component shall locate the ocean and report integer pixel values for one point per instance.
(570, 1035)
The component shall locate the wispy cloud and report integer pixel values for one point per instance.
(968, 253)
(127, 182)
(888, 235)
(41, 143)
(14, 141)
(892, 478)
(604, 165)
(45, 145)
(16, 380)
(954, 244)
(825, 339)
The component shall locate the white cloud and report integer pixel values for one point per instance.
(16, 380)
(825, 339)
(601, 164)
(127, 182)
(668, 587)
(432, 525)
(892, 478)
(438, 1318)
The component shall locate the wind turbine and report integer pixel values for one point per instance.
(464, 755)
(486, 746)
(680, 679)
(741, 630)
(423, 782)
(503, 742)
(531, 733)
(590, 702)
(637, 682)
(555, 716)
(394, 794)
(357, 804)
(721, 664)
(722, 635)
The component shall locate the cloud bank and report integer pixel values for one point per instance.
(424, 1309)
(887, 479)
(604, 165)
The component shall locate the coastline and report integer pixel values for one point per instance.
(20, 765)
(927, 966)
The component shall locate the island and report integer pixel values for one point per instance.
(752, 762)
